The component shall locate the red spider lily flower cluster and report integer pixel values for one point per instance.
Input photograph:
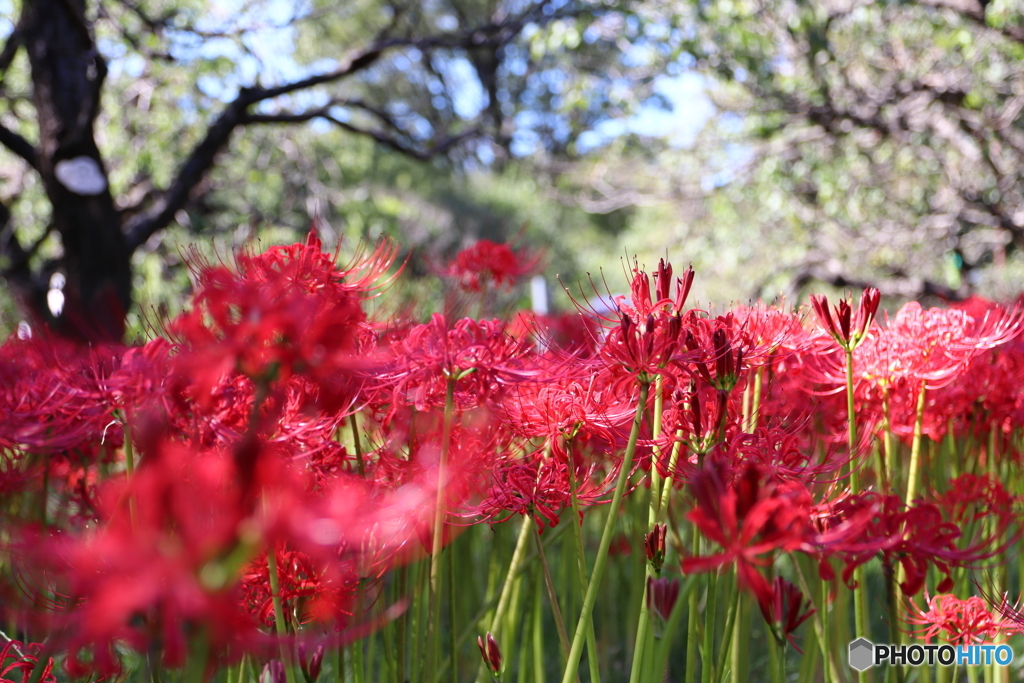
(487, 262)
(257, 472)
(958, 622)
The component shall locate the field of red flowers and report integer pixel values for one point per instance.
(286, 484)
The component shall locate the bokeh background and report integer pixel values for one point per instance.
(780, 146)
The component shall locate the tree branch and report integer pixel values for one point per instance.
(141, 227)
(898, 287)
(396, 144)
(19, 145)
(974, 11)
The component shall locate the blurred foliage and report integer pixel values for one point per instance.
(808, 145)
(851, 143)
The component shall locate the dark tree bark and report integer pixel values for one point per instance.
(67, 77)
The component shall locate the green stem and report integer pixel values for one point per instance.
(279, 624)
(581, 564)
(777, 660)
(453, 647)
(851, 422)
(731, 621)
(692, 623)
(606, 539)
(641, 645)
(437, 542)
(401, 624)
(707, 667)
(915, 447)
(563, 637)
(538, 634)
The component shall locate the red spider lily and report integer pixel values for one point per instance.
(640, 341)
(22, 658)
(536, 487)
(569, 333)
(787, 610)
(750, 516)
(788, 453)
(956, 621)
(308, 590)
(640, 304)
(565, 404)
(930, 345)
(478, 355)
(148, 574)
(916, 537)
(770, 330)
(486, 261)
(697, 420)
(971, 498)
(723, 348)
(847, 329)
(539, 485)
(285, 311)
(51, 396)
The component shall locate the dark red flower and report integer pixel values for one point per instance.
(848, 330)
(787, 609)
(751, 516)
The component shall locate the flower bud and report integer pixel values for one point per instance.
(311, 668)
(654, 544)
(662, 595)
(273, 672)
(491, 653)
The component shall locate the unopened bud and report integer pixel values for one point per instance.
(662, 595)
(273, 672)
(311, 669)
(490, 651)
(654, 544)
(664, 279)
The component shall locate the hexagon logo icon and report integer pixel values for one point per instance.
(862, 654)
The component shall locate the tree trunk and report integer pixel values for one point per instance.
(67, 77)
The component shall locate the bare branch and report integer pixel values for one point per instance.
(897, 287)
(9, 51)
(19, 145)
(396, 144)
(139, 228)
(142, 226)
